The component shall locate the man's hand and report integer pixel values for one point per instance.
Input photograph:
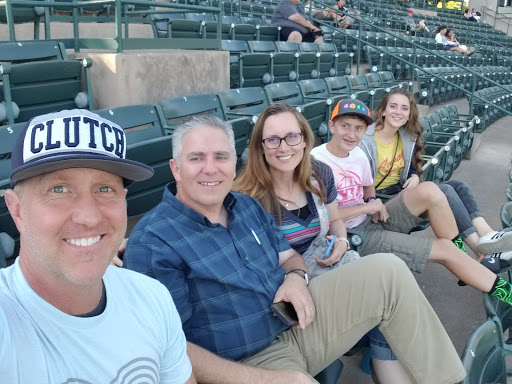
(338, 250)
(313, 28)
(294, 290)
(411, 182)
(116, 260)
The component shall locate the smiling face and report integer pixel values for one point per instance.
(71, 224)
(347, 132)
(397, 112)
(285, 158)
(205, 169)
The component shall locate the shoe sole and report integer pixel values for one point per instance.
(503, 244)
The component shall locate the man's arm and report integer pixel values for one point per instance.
(211, 369)
(294, 288)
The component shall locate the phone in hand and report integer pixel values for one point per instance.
(328, 250)
(285, 312)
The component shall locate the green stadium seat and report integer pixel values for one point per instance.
(24, 14)
(144, 195)
(25, 51)
(506, 215)
(308, 63)
(243, 102)
(483, 357)
(338, 86)
(175, 111)
(284, 65)
(315, 112)
(359, 89)
(41, 87)
(140, 122)
(247, 69)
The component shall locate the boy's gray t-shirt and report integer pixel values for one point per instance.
(283, 11)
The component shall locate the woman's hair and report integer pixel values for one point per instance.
(448, 31)
(255, 179)
(413, 125)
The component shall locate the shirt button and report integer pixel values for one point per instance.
(246, 258)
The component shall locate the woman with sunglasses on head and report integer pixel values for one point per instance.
(301, 194)
(396, 138)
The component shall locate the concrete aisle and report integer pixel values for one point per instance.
(461, 308)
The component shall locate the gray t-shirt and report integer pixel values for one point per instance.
(283, 11)
(410, 21)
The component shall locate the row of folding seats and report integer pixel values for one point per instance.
(204, 26)
(38, 77)
(486, 109)
(434, 83)
(257, 63)
(448, 136)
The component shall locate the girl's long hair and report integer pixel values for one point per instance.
(413, 125)
(255, 179)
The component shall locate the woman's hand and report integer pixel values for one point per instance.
(338, 250)
(411, 182)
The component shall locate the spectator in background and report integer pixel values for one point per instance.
(411, 24)
(294, 26)
(450, 35)
(449, 45)
(476, 15)
(343, 20)
(469, 16)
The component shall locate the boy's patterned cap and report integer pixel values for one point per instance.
(352, 107)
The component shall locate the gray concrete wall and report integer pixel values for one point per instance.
(140, 77)
(65, 30)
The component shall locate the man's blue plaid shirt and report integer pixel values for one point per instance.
(222, 280)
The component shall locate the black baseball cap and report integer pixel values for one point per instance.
(74, 138)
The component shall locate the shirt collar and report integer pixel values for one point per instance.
(170, 198)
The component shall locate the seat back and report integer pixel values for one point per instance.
(144, 195)
(31, 51)
(243, 102)
(506, 215)
(140, 122)
(483, 357)
(338, 86)
(44, 86)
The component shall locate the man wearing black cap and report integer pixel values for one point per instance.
(65, 317)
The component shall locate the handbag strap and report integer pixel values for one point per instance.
(392, 163)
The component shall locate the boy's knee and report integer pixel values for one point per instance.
(429, 191)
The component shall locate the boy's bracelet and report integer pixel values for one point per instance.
(371, 197)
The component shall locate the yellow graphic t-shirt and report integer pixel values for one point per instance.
(385, 154)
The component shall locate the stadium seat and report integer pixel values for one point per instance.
(359, 89)
(284, 65)
(506, 215)
(308, 63)
(31, 51)
(315, 112)
(483, 357)
(175, 111)
(40, 87)
(338, 86)
(140, 122)
(243, 102)
(247, 69)
(508, 192)
(24, 14)
(144, 195)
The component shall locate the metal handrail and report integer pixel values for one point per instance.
(121, 12)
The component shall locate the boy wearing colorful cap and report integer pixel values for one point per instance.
(65, 315)
(386, 226)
